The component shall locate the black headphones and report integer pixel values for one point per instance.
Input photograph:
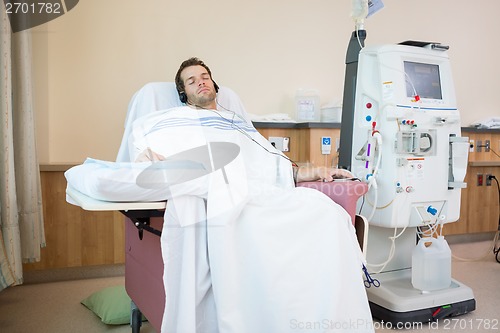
(183, 96)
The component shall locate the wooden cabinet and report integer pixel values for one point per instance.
(479, 210)
(77, 238)
(305, 140)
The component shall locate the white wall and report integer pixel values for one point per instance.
(90, 61)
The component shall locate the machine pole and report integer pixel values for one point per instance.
(351, 72)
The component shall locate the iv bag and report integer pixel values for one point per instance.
(359, 11)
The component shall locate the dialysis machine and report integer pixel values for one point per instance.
(407, 145)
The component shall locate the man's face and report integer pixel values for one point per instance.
(198, 86)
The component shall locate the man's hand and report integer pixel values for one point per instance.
(341, 173)
(311, 173)
(149, 156)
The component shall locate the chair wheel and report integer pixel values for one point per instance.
(136, 323)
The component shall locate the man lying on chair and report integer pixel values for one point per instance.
(244, 249)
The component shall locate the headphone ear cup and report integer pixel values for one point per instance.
(216, 87)
(183, 97)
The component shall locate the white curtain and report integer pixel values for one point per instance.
(21, 213)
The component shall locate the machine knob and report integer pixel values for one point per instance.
(431, 210)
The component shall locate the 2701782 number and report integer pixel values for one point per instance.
(32, 8)
(470, 324)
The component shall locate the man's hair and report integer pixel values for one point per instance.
(179, 84)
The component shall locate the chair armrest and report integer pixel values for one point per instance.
(77, 198)
(345, 193)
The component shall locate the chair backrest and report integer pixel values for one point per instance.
(157, 96)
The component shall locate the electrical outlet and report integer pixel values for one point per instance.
(479, 143)
(487, 146)
(480, 179)
(488, 179)
(280, 143)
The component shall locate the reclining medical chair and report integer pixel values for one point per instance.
(143, 261)
(144, 220)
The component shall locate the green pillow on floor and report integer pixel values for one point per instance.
(111, 304)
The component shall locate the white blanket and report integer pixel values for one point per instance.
(244, 250)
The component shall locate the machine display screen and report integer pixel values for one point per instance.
(423, 79)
